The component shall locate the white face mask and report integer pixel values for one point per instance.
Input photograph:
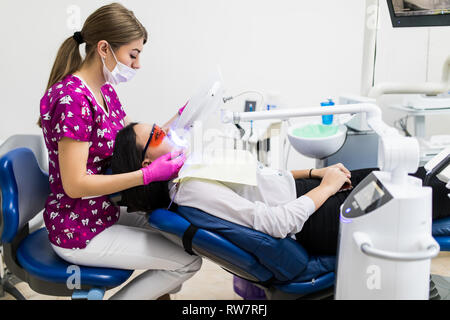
(121, 72)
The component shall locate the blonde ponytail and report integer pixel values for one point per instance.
(67, 61)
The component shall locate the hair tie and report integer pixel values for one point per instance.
(78, 37)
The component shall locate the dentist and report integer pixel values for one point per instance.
(80, 115)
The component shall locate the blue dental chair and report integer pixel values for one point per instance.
(281, 267)
(30, 257)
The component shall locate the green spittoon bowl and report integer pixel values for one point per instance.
(317, 141)
(315, 131)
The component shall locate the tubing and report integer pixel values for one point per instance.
(428, 88)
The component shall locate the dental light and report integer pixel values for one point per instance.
(207, 100)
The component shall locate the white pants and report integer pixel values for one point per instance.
(132, 244)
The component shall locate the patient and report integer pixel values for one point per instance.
(302, 204)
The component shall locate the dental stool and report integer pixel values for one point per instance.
(281, 267)
(36, 143)
(30, 257)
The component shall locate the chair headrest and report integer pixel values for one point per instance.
(24, 189)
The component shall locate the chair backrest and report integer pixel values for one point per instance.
(211, 246)
(285, 258)
(35, 142)
(24, 190)
(248, 253)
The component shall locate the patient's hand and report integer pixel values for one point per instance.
(320, 173)
(334, 178)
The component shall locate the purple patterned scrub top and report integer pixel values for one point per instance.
(69, 109)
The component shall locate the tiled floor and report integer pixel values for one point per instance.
(214, 283)
(441, 264)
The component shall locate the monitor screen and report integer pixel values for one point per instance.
(368, 195)
(419, 13)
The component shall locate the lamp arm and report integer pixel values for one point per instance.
(397, 154)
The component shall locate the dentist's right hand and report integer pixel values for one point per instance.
(164, 168)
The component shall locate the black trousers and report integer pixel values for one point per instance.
(319, 235)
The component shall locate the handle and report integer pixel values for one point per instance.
(437, 169)
(363, 242)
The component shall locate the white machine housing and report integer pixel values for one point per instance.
(385, 250)
(385, 242)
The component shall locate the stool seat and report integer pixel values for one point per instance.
(36, 255)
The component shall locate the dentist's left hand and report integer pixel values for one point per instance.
(167, 125)
(164, 168)
(180, 111)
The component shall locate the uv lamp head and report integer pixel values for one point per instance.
(178, 139)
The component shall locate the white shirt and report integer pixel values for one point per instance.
(271, 207)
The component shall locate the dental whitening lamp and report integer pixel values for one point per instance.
(385, 241)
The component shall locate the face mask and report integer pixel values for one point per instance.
(121, 72)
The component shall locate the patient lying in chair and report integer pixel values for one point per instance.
(303, 204)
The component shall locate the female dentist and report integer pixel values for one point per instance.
(80, 117)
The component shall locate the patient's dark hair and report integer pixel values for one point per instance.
(126, 158)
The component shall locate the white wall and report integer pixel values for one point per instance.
(411, 55)
(306, 50)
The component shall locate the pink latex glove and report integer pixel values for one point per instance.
(164, 168)
(182, 108)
